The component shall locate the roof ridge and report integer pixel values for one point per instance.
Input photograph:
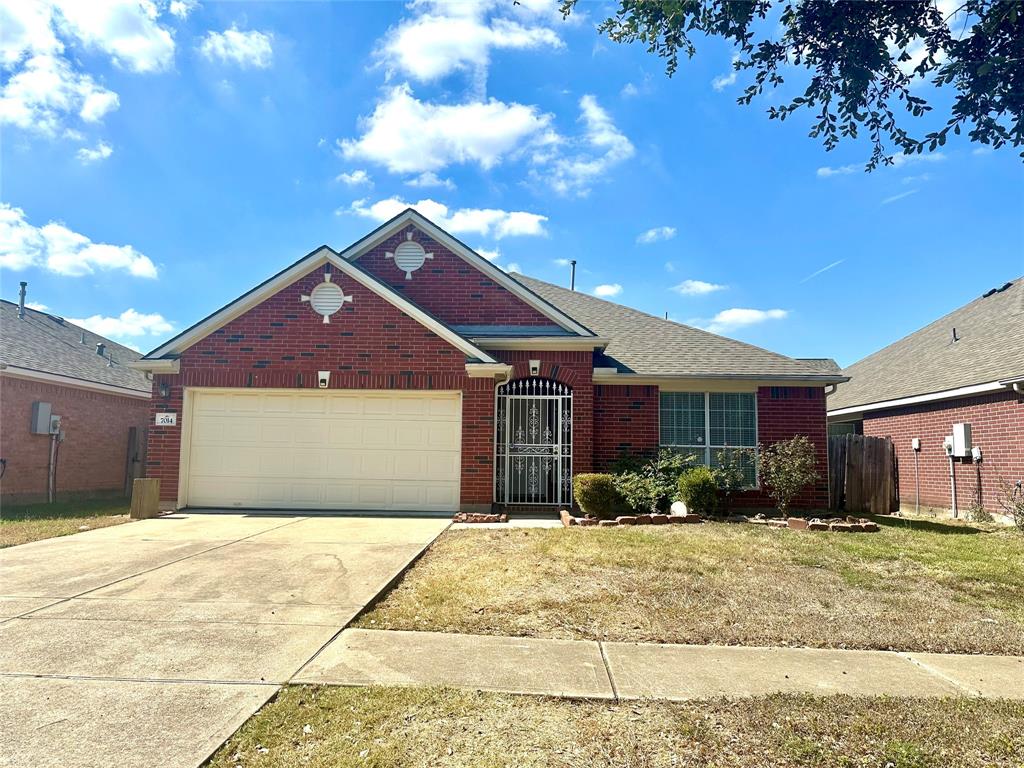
(628, 308)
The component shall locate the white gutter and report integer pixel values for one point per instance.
(947, 394)
(611, 376)
(488, 370)
(159, 365)
(541, 342)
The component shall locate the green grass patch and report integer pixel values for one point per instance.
(20, 524)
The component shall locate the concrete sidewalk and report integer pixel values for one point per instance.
(601, 670)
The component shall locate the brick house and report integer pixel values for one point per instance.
(408, 373)
(965, 368)
(84, 379)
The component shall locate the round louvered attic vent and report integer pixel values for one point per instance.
(409, 256)
(327, 298)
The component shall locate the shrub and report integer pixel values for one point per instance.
(1011, 499)
(596, 494)
(650, 483)
(698, 489)
(730, 470)
(787, 467)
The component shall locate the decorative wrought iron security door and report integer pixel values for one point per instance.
(533, 439)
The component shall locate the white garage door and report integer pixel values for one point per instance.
(279, 449)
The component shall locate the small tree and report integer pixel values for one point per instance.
(649, 484)
(1011, 499)
(731, 472)
(787, 467)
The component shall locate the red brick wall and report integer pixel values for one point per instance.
(784, 413)
(369, 344)
(92, 456)
(449, 288)
(997, 426)
(625, 421)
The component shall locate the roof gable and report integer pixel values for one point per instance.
(989, 348)
(390, 234)
(319, 257)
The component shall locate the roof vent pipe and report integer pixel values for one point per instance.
(955, 337)
(572, 275)
(100, 349)
(21, 300)
(83, 337)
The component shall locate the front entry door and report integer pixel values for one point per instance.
(533, 434)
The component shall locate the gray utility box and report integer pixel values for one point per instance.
(41, 413)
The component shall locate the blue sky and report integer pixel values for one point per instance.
(159, 159)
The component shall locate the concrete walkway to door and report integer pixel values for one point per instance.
(149, 643)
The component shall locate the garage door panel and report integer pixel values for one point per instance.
(325, 449)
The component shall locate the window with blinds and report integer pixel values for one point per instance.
(712, 426)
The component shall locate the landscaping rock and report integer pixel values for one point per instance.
(659, 519)
(626, 520)
(777, 523)
(607, 523)
(841, 527)
(817, 525)
(688, 518)
(587, 521)
(479, 517)
(643, 519)
(567, 518)
(678, 508)
(797, 523)
(870, 527)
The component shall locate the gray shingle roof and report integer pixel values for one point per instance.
(990, 348)
(50, 344)
(647, 345)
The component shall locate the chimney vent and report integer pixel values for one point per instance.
(21, 300)
(101, 348)
(572, 275)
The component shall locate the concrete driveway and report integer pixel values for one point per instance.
(150, 643)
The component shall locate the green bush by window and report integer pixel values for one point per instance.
(698, 489)
(596, 494)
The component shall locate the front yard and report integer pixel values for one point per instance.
(421, 728)
(25, 523)
(912, 586)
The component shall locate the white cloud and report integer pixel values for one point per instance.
(429, 179)
(560, 262)
(126, 30)
(446, 37)
(894, 198)
(128, 324)
(514, 267)
(407, 135)
(604, 146)
(182, 8)
(722, 82)
(629, 91)
(607, 290)
(982, 150)
(101, 152)
(58, 249)
(656, 235)
(485, 222)
(36, 306)
(491, 254)
(919, 178)
(844, 170)
(697, 288)
(46, 90)
(355, 178)
(826, 268)
(670, 267)
(232, 46)
(731, 319)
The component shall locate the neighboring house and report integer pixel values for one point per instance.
(84, 379)
(408, 373)
(965, 368)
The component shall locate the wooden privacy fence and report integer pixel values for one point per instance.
(862, 474)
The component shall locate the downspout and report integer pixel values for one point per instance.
(498, 382)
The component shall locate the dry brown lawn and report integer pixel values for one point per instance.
(425, 728)
(935, 587)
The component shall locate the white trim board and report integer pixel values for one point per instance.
(948, 394)
(304, 266)
(16, 372)
(467, 254)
